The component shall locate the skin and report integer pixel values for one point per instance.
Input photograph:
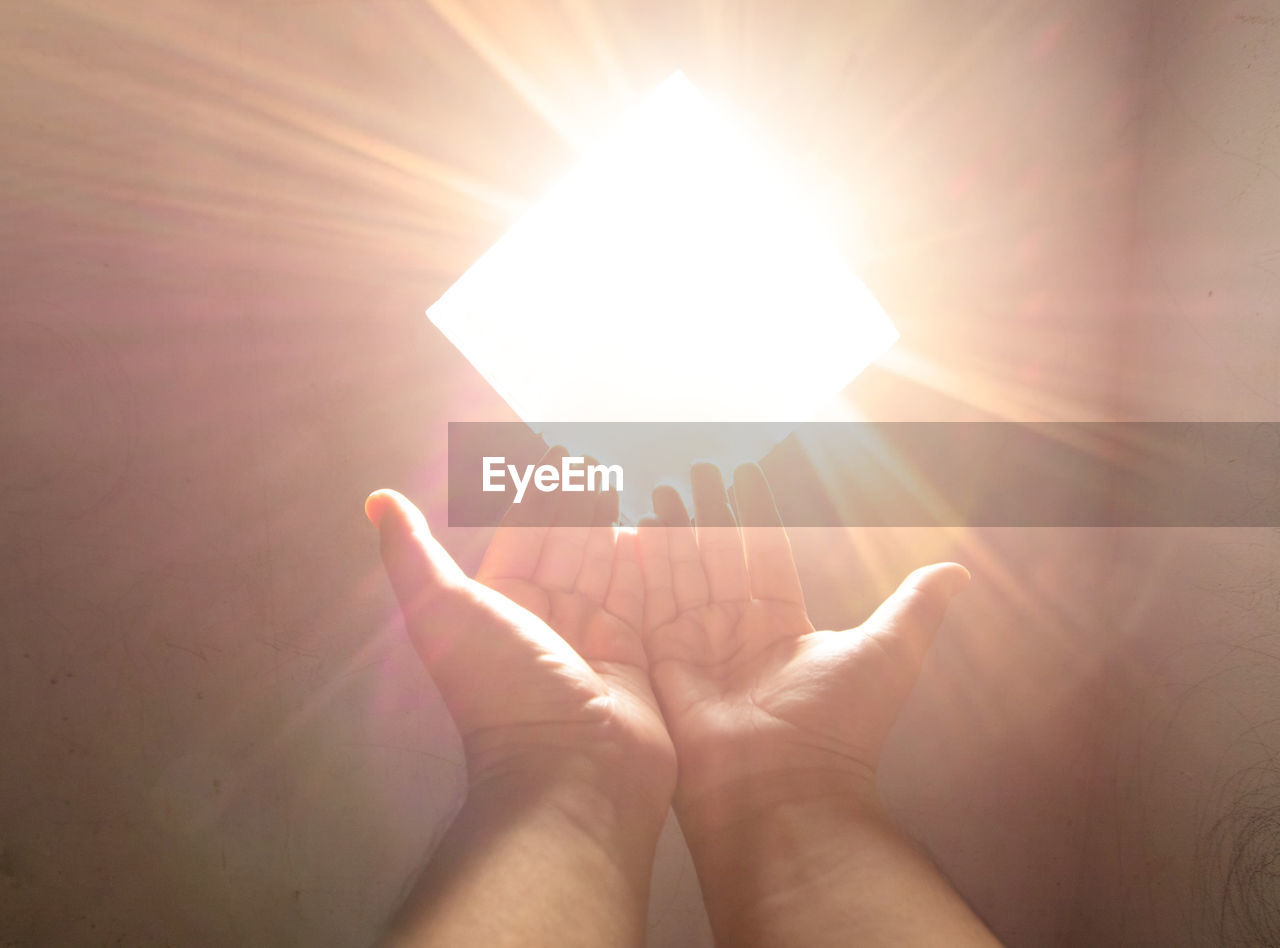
(570, 768)
(779, 728)
(582, 662)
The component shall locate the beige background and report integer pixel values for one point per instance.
(221, 224)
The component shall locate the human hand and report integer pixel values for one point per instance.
(539, 658)
(570, 769)
(763, 708)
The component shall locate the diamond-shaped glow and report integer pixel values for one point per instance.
(670, 276)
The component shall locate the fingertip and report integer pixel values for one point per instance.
(386, 508)
(376, 504)
(947, 578)
(663, 490)
(711, 506)
(961, 577)
(669, 507)
(756, 506)
(707, 475)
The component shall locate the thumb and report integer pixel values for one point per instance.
(911, 616)
(427, 583)
(470, 638)
(420, 569)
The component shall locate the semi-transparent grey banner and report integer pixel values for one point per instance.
(884, 474)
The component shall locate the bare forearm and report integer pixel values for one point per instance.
(823, 871)
(522, 868)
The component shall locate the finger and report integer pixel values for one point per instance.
(566, 542)
(770, 563)
(719, 542)
(655, 566)
(458, 627)
(625, 598)
(907, 621)
(669, 508)
(419, 568)
(423, 575)
(516, 546)
(598, 555)
(688, 580)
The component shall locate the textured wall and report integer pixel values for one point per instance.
(1189, 792)
(220, 225)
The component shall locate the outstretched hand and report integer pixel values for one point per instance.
(570, 768)
(763, 708)
(545, 662)
(539, 658)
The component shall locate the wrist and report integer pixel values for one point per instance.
(591, 801)
(743, 802)
(786, 850)
(585, 852)
(817, 863)
(625, 781)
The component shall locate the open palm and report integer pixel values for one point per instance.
(539, 658)
(751, 692)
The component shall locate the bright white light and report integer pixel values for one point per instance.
(670, 276)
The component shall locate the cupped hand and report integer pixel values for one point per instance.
(538, 659)
(760, 705)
